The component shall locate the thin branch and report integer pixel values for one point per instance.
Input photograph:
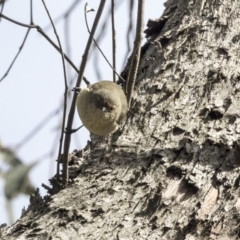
(31, 12)
(113, 40)
(15, 58)
(136, 52)
(3, 3)
(101, 50)
(22, 45)
(79, 80)
(18, 23)
(65, 92)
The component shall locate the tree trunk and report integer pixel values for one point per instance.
(172, 170)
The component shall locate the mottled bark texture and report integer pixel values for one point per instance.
(172, 170)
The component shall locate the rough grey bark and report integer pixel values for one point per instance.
(172, 171)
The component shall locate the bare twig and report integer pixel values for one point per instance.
(31, 12)
(15, 58)
(101, 50)
(22, 45)
(18, 23)
(65, 91)
(58, 127)
(46, 187)
(136, 52)
(79, 80)
(2, 7)
(113, 41)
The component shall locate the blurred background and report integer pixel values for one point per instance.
(31, 95)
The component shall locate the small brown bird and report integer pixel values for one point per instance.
(101, 107)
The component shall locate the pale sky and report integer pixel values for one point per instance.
(35, 85)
